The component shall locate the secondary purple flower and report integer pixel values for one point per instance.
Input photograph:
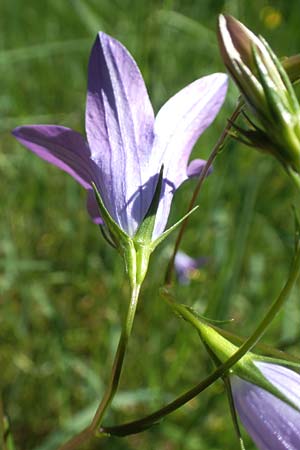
(126, 146)
(272, 423)
(266, 395)
(185, 266)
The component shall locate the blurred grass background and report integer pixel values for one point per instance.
(62, 288)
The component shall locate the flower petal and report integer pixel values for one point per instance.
(62, 147)
(185, 266)
(195, 168)
(272, 423)
(178, 125)
(119, 125)
(285, 380)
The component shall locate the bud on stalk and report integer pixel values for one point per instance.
(266, 86)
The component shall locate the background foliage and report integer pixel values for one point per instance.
(62, 288)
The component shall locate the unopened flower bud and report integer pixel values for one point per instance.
(267, 90)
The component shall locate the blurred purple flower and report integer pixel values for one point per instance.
(125, 146)
(272, 423)
(185, 266)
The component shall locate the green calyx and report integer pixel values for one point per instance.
(143, 239)
(221, 349)
(136, 250)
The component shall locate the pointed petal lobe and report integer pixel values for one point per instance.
(195, 168)
(178, 125)
(272, 423)
(119, 125)
(61, 147)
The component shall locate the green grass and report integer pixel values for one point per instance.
(63, 290)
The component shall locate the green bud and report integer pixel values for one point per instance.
(267, 90)
(291, 65)
(245, 368)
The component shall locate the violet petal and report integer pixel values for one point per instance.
(61, 147)
(184, 266)
(272, 423)
(119, 125)
(178, 125)
(195, 168)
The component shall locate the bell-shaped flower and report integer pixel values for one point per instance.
(266, 394)
(266, 86)
(273, 423)
(126, 146)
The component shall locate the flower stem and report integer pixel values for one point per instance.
(112, 387)
(118, 361)
(212, 156)
(6, 438)
(144, 423)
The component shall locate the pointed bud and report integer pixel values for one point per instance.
(247, 368)
(267, 91)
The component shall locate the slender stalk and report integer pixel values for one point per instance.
(113, 385)
(118, 362)
(233, 413)
(6, 438)
(2, 438)
(144, 423)
(202, 176)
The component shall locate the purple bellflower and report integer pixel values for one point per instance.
(272, 423)
(185, 266)
(126, 146)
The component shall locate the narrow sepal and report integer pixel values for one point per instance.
(163, 236)
(118, 235)
(284, 76)
(275, 99)
(233, 412)
(206, 319)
